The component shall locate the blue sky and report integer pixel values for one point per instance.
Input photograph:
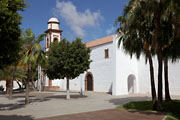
(88, 19)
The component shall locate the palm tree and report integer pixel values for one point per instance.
(137, 42)
(157, 23)
(32, 55)
(173, 33)
(10, 74)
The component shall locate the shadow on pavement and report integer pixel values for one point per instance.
(32, 100)
(4, 107)
(64, 96)
(121, 101)
(35, 97)
(15, 117)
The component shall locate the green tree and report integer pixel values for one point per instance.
(10, 74)
(67, 60)
(136, 38)
(33, 54)
(165, 14)
(171, 35)
(10, 20)
(162, 17)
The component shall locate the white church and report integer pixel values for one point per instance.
(111, 70)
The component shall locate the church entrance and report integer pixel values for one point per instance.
(89, 82)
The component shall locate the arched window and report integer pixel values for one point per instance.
(55, 39)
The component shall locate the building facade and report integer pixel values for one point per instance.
(112, 70)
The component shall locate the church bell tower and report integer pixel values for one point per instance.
(54, 33)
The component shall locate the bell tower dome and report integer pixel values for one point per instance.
(54, 33)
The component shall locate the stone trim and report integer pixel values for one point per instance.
(53, 30)
(53, 22)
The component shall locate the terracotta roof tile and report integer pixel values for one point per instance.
(100, 41)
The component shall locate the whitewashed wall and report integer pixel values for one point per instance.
(102, 68)
(53, 26)
(174, 78)
(75, 84)
(112, 74)
(144, 77)
(124, 66)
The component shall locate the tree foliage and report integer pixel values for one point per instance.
(151, 26)
(10, 20)
(67, 59)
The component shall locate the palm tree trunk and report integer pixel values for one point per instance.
(158, 49)
(10, 89)
(153, 89)
(11, 83)
(167, 94)
(27, 86)
(7, 86)
(19, 84)
(160, 92)
(67, 87)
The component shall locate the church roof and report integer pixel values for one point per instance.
(100, 41)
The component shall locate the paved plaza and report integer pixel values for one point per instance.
(49, 104)
(109, 114)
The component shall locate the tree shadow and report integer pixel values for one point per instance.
(16, 117)
(21, 103)
(121, 101)
(61, 91)
(146, 109)
(73, 96)
(34, 99)
(31, 95)
(4, 107)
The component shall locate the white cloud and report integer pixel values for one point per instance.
(110, 30)
(76, 20)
